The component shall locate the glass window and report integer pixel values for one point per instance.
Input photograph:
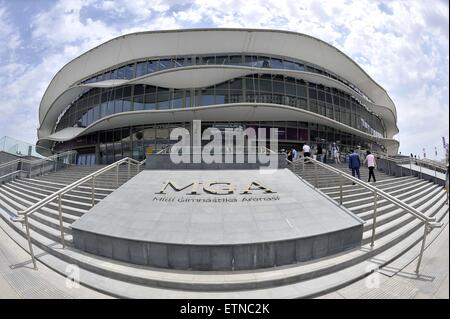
(265, 85)
(178, 62)
(152, 66)
(251, 60)
(118, 106)
(209, 60)
(163, 98)
(138, 103)
(321, 95)
(223, 59)
(236, 59)
(278, 87)
(276, 63)
(127, 104)
(312, 94)
(165, 64)
(141, 68)
(129, 72)
(150, 101)
(96, 113)
(263, 62)
(177, 101)
(301, 91)
(139, 89)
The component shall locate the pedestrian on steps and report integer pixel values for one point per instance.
(354, 163)
(371, 164)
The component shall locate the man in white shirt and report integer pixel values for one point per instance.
(371, 164)
(306, 150)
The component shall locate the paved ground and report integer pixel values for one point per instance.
(432, 283)
(18, 279)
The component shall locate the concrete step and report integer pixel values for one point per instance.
(86, 188)
(384, 205)
(398, 192)
(128, 281)
(393, 180)
(78, 202)
(41, 223)
(44, 189)
(68, 206)
(361, 192)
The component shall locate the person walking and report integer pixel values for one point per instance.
(294, 154)
(335, 150)
(306, 150)
(354, 164)
(371, 164)
(289, 155)
(320, 153)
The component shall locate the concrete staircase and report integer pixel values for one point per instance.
(20, 194)
(397, 233)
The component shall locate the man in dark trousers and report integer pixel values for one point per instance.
(354, 163)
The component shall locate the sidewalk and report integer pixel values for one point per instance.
(18, 279)
(432, 283)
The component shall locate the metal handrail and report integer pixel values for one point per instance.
(409, 160)
(38, 161)
(58, 195)
(428, 222)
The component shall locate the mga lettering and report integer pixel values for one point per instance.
(213, 188)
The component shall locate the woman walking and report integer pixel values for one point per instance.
(370, 159)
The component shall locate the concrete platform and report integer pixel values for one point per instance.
(226, 220)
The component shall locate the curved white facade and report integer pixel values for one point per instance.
(342, 74)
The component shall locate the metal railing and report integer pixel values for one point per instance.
(437, 167)
(428, 222)
(37, 167)
(60, 193)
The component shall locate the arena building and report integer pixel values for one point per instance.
(124, 96)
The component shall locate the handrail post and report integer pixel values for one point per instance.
(61, 226)
(374, 222)
(129, 167)
(422, 248)
(315, 174)
(340, 189)
(420, 168)
(410, 166)
(117, 175)
(93, 191)
(30, 245)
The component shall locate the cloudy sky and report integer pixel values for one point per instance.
(403, 45)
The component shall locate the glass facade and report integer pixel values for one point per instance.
(263, 88)
(136, 69)
(108, 146)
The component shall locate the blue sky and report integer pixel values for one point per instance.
(403, 45)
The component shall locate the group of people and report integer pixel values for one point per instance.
(320, 152)
(293, 154)
(354, 160)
